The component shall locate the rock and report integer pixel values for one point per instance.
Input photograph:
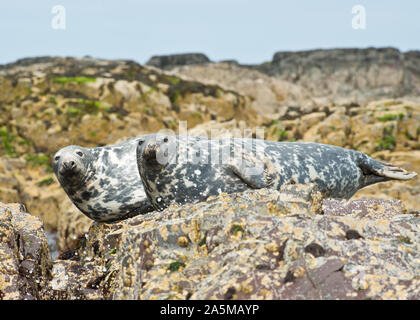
(408, 193)
(170, 61)
(349, 75)
(70, 280)
(261, 245)
(24, 254)
(214, 129)
(317, 77)
(26, 269)
(9, 185)
(269, 95)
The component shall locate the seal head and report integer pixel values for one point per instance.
(71, 166)
(102, 182)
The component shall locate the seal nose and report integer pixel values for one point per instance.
(69, 165)
(150, 152)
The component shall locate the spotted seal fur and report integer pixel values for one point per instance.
(180, 169)
(103, 182)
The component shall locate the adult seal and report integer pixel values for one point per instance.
(103, 182)
(180, 169)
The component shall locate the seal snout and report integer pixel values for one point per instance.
(150, 152)
(69, 168)
(69, 165)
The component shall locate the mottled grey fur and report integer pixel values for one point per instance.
(180, 169)
(103, 182)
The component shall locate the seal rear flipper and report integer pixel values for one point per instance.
(377, 171)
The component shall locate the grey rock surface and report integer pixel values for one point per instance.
(265, 245)
(350, 75)
(170, 61)
(315, 78)
(24, 254)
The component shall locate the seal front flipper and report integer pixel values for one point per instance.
(254, 172)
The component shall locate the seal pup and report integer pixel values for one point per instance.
(181, 169)
(103, 182)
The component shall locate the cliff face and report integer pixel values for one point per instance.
(322, 77)
(355, 75)
(364, 99)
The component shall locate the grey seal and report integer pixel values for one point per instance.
(103, 182)
(181, 169)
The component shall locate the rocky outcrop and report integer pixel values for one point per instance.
(269, 95)
(316, 78)
(266, 245)
(349, 75)
(173, 60)
(262, 244)
(24, 255)
(27, 271)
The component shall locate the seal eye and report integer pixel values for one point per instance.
(80, 154)
(56, 158)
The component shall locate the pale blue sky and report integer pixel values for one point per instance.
(248, 31)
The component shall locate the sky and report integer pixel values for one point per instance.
(247, 31)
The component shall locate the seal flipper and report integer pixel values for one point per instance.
(255, 181)
(251, 171)
(376, 171)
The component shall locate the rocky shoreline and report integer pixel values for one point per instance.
(262, 244)
(364, 99)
